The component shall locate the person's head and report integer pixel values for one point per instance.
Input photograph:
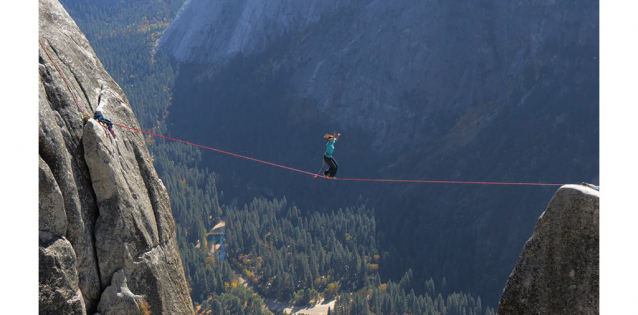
(328, 137)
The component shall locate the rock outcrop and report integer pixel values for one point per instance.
(557, 272)
(118, 298)
(103, 209)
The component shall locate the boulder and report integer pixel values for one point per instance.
(118, 299)
(59, 291)
(558, 269)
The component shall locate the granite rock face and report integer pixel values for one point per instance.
(402, 70)
(245, 26)
(558, 270)
(58, 278)
(103, 209)
(118, 298)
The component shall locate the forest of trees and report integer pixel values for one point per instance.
(400, 298)
(282, 251)
(287, 254)
(303, 258)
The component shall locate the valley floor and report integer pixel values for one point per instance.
(321, 308)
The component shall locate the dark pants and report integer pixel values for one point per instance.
(103, 119)
(108, 123)
(332, 171)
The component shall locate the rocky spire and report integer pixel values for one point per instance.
(103, 209)
(557, 272)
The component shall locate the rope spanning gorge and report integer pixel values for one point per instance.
(291, 168)
(341, 179)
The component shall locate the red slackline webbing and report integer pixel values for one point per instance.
(343, 179)
(281, 166)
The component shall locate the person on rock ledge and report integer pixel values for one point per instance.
(100, 118)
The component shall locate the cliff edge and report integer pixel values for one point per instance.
(558, 269)
(106, 234)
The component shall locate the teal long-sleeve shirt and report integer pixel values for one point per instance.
(330, 148)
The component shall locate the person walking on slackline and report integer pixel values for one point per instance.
(327, 156)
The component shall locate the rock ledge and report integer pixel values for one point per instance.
(558, 269)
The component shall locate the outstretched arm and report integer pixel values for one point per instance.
(336, 135)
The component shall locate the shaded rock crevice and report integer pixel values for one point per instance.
(159, 197)
(52, 217)
(86, 96)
